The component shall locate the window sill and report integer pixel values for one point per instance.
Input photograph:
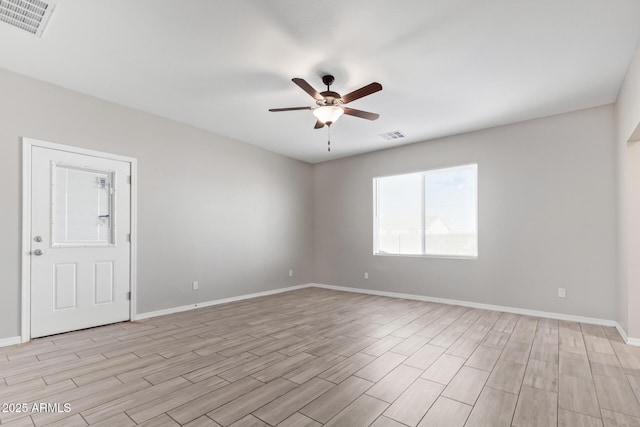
(468, 257)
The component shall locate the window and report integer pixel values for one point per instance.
(427, 213)
(82, 201)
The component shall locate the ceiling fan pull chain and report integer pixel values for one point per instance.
(329, 138)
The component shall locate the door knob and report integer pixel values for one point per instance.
(37, 252)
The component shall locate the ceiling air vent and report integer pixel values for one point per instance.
(28, 15)
(389, 136)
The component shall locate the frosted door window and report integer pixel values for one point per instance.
(81, 207)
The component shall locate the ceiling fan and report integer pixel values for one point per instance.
(330, 105)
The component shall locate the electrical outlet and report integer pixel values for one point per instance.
(195, 285)
(290, 273)
(366, 275)
(561, 293)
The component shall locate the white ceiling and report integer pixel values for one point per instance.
(447, 66)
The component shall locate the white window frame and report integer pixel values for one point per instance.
(423, 220)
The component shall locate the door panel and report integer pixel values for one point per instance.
(103, 282)
(80, 222)
(65, 286)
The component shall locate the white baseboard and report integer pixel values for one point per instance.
(627, 338)
(6, 342)
(623, 333)
(141, 316)
(502, 308)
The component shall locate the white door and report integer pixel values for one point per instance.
(80, 250)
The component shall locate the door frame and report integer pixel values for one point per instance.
(27, 145)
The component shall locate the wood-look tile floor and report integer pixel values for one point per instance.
(316, 357)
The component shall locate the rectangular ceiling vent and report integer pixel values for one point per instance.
(389, 136)
(28, 15)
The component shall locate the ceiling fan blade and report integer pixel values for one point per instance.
(362, 114)
(275, 110)
(318, 125)
(307, 87)
(363, 91)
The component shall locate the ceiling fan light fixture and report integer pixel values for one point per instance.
(328, 114)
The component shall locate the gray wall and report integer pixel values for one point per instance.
(547, 215)
(236, 217)
(228, 214)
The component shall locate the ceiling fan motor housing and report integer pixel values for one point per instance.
(329, 98)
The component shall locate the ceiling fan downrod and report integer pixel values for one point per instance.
(328, 80)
